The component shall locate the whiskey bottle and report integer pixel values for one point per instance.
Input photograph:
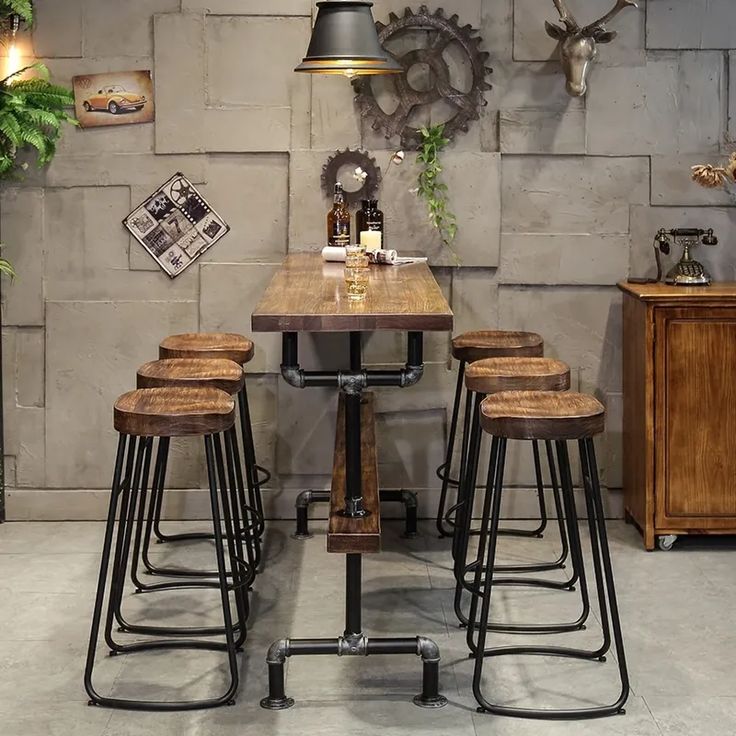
(370, 218)
(338, 220)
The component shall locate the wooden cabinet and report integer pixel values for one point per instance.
(679, 409)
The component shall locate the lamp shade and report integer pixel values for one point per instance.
(345, 41)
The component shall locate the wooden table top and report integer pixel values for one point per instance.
(309, 295)
(668, 293)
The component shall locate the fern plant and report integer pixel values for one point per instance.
(431, 188)
(22, 8)
(32, 112)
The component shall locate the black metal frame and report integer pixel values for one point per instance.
(349, 382)
(603, 572)
(463, 531)
(443, 521)
(127, 503)
(255, 477)
(353, 642)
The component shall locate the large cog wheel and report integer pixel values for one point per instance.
(354, 159)
(446, 31)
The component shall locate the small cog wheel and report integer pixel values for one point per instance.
(353, 159)
(443, 32)
(181, 189)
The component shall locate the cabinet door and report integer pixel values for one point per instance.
(696, 418)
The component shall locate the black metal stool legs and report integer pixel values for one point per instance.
(463, 523)
(255, 477)
(444, 470)
(604, 584)
(128, 496)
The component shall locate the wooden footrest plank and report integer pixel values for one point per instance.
(356, 536)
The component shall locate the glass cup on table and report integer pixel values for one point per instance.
(356, 272)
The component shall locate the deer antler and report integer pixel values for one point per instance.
(566, 16)
(611, 14)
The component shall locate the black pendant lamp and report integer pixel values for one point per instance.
(345, 41)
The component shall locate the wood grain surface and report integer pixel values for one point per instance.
(174, 412)
(638, 429)
(309, 295)
(679, 383)
(695, 411)
(222, 345)
(344, 535)
(542, 415)
(492, 375)
(225, 375)
(481, 344)
(670, 294)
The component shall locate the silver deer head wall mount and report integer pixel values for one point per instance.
(578, 45)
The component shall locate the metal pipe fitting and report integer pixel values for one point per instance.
(427, 649)
(293, 375)
(278, 652)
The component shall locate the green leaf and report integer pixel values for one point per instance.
(22, 8)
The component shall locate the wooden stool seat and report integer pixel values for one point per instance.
(225, 375)
(174, 412)
(492, 375)
(542, 415)
(223, 345)
(472, 346)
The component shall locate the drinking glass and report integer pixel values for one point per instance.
(356, 272)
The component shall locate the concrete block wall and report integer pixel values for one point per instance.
(557, 199)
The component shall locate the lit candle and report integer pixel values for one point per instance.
(371, 240)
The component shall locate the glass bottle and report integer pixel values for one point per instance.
(369, 217)
(338, 220)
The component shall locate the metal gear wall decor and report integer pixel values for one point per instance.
(443, 32)
(354, 159)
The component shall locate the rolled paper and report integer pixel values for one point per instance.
(388, 257)
(332, 254)
(371, 240)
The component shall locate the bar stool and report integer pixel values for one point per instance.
(493, 376)
(227, 376)
(557, 417)
(223, 346)
(468, 348)
(140, 417)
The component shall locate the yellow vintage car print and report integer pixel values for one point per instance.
(114, 99)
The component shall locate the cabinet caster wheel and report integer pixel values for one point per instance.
(667, 542)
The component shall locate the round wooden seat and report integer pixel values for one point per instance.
(174, 412)
(542, 415)
(223, 345)
(493, 375)
(472, 346)
(225, 375)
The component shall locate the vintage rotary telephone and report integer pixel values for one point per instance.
(687, 272)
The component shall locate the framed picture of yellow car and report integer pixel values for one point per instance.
(114, 98)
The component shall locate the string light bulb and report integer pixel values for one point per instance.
(13, 63)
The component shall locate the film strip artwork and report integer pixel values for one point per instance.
(176, 225)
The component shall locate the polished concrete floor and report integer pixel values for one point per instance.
(677, 608)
